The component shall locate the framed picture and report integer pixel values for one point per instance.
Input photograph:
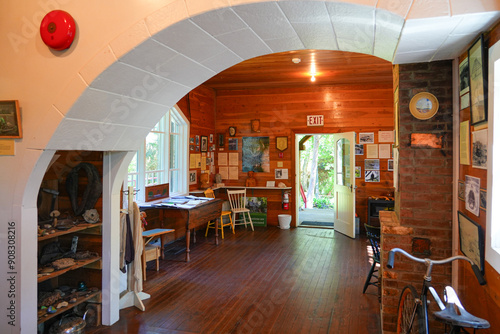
(359, 149)
(281, 143)
(232, 131)
(372, 176)
(10, 120)
(480, 149)
(471, 195)
(483, 199)
(424, 105)
(464, 76)
(192, 177)
(204, 144)
(372, 164)
(366, 138)
(478, 82)
(233, 144)
(211, 138)
(255, 125)
(357, 172)
(461, 190)
(471, 240)
(221, 139)
(390, 164)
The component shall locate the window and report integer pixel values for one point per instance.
(493, 211)
(163, 156)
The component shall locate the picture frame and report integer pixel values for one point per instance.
(478, 82)
(204, 144)
(357, 172)
(232, 144)
(192, 177)
(359, 149)
(366, 138)
(480, 149)
(10, 120)
(282, 143)
(483, 199)
(463, 69)
(372, 164)
(220, 137)
(424, 105)
(471, 240)
(461, 190)
(211, 138)
(372, 176)
(232, 131)
(390, 165)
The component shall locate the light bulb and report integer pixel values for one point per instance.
(313, 78)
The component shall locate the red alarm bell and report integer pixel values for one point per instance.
(58, 30)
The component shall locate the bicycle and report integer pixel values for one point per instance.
(413, 307)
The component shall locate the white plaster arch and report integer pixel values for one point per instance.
(111, 101)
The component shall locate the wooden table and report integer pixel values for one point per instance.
(194, 217)
(149, 235)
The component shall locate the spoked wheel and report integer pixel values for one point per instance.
(410, 314)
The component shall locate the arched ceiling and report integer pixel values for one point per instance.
(125, 101)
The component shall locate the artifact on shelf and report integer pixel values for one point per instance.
(91, 216)
(54, 214)
(63, 263)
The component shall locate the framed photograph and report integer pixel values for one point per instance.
(424, 105)
(366, 138)
(478, 82)
(483, 199)
(471, 240)
(372, 164)
(282, 143)
(197, 139)
(390, 164)
(357, 172)
(204, 144)
(233, 144)
(480, 149)
(192, 177)
(211, 138)
(463, 70)
(461, 190)
(472, 186)
(221, 139)
(372, 176)
(10, 120)
(232, 131)
(359, 149)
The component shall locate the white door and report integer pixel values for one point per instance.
(345, 192)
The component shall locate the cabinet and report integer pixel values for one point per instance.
(80, 283)
(374, 207)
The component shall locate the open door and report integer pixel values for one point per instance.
(345, 193)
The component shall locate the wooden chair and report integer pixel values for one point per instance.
(211, 224)
(237, 200)
(151, 252)
(373, 234)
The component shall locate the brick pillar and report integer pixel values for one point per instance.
(422, 223)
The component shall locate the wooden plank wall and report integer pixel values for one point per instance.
(482, 301)
(283, 111)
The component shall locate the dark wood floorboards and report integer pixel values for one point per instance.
(303, 280)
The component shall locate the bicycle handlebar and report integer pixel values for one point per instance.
(429, 262)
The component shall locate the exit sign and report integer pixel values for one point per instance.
(315, 120)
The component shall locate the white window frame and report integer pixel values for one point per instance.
(492, 248)
(182, 181)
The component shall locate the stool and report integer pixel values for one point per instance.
(151, 252)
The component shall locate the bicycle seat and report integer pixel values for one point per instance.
(455, 314)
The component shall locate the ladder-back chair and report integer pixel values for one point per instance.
(373, 234)
(237, 200)
(211, 224)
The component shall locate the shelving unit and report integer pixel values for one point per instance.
(89, 270)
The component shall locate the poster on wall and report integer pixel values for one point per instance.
(258, 210)
(472, 188)
(255, 154)
(480, 149)
(464, 143)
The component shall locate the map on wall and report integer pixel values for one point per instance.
(255, 154)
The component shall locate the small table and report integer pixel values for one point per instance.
(149, 235)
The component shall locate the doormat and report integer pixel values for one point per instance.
(311, 223)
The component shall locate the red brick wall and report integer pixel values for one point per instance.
(424, 201)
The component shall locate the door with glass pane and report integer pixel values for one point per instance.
(344, 189)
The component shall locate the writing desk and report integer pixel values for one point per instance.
(193, 217)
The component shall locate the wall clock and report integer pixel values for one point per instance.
(424, 105)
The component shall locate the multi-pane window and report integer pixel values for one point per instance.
(163, 156)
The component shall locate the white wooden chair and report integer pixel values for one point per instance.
(237, 200)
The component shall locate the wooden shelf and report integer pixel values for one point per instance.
(78, 264)
(42, 317)
(77, 228)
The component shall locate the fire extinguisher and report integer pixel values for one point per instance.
(286, 200)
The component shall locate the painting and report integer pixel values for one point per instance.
(478, 82)
(464, 76)
(357, 172)
(372, 176)
(204, 144)
(233, 144)
(10, 120)
(359, 149)
(471, 240)
(461, 190)
(480, 148)
(472, 186)
(192, 177)
(366, 138)
(255, 154)
(221, 139)
(372, 164)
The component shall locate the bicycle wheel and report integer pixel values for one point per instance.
(410, 314)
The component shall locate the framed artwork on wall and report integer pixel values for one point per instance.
(478, 82)
(204, 144)
(10, 120)
(471, 240)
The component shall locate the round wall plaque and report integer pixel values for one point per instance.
(424, 105)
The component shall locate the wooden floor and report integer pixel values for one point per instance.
(303, 280)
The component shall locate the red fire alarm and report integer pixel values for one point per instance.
(58, 30)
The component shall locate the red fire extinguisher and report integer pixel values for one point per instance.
(286, 200)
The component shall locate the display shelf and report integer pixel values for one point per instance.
(78, 264)
(44, 316)
(76, 228)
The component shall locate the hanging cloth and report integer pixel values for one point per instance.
(139, 247)
(126, 242)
